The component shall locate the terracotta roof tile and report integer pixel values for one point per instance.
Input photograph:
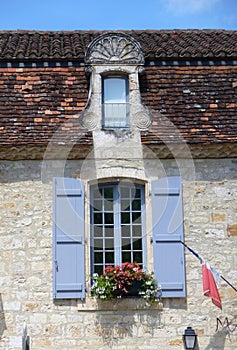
(41, 104)
(46, 45)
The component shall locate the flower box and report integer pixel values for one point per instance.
(127, 280)
(131, 290)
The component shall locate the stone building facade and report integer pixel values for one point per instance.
(180, 123)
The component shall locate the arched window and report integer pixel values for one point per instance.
(117, 225)
(115, 106)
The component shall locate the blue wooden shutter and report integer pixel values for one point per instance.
(167, 221)
(68, 232)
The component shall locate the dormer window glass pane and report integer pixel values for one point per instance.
(115, 102)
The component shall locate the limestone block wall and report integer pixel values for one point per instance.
(210, 209)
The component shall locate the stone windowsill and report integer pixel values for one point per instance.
(91, 304)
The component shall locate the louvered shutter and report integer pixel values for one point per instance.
(68, 238)
(167, 221)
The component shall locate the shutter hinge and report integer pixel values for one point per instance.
(56, 265)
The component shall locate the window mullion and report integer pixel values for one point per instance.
(144, 247)
(131, 223)
(117, 226)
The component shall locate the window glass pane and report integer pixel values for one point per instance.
(136, 217)
(109, 258)
(125, 192)
(136, 230)
(98, 269)
(98, 231)
(97, 205)
(98, 244)
(109, 244)
(108, 193)
(98, 218)
(109, 218)
(108, 205)
(125, 218)
(133, 193)
(126, 257)
(115, 102)
(137, 244)
(125, 205)
(126, 231)
(136, 205)
(137, 193)
(97, 193)
(109, 231)
(137, 257)
(115, 89)
(98, 257)
(115, 115)
(126, 244)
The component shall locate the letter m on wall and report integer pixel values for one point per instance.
(167, 221)
(68, 238)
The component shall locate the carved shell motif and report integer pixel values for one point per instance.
(114, 48)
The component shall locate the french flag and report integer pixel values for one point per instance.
(209, 279)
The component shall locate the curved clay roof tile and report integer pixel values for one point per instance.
(197, 43)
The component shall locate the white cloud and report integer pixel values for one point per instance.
(181, 7)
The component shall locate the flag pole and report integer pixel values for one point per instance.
(231, 285)
(201, 261)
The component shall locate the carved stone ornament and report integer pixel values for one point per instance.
(142, 119)
(89, 120)
(114, 48)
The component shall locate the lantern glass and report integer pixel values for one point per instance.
(189, 338)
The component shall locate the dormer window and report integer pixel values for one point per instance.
(115, 106)
(114, 61)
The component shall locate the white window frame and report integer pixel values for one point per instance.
(115, 106)
(117, 230)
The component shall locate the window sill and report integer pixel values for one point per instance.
(91, 304)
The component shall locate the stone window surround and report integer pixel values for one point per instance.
(91, 117)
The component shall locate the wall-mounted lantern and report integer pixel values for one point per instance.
(25, 338)
(189, 338)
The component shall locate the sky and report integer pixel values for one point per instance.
(115, 15)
